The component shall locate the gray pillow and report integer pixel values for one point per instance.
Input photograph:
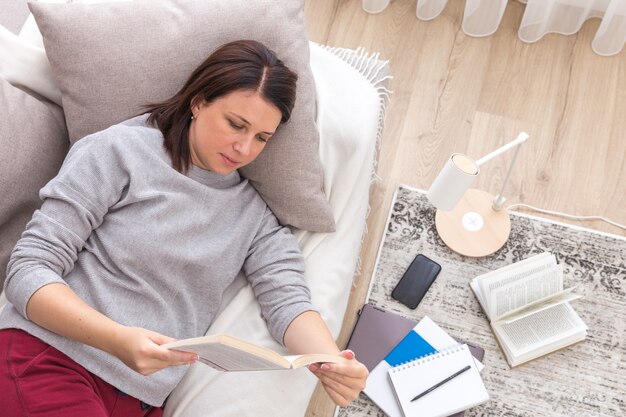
(110, 59)
(34, 141)
(13, 15)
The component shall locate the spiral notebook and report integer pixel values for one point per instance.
(465, 391)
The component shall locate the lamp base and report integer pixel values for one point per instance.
(473, 228)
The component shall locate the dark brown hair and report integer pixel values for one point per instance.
(239, 65)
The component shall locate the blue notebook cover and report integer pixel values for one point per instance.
(411, 347)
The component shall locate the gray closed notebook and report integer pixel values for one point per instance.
(378, 331)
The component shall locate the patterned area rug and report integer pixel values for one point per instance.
(583, 380)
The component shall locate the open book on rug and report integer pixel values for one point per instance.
(528, 308)
(228, 353)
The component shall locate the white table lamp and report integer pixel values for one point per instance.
(470, 221)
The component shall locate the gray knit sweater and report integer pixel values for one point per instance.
(150, 247)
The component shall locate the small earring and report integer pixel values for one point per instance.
(192, 116)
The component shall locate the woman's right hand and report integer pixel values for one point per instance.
(141, 350)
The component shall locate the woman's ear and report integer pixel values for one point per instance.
(195, 104)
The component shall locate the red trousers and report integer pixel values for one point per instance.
(37, 380)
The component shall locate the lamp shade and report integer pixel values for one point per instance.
(452, 182)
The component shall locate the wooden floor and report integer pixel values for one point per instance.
(455, 93)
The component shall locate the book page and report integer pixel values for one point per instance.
(227, 358)
(228, 353)
(525, 289)
(544, 258)
(508, 275)
(481, 299)
(541, 304)
(298, 361)
(539, 329)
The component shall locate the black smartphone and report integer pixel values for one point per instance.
(416, 281)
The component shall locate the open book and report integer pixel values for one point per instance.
(228, 353)
(528, 308)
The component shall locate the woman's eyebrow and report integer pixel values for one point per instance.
(239, 117)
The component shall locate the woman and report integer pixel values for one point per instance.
(138, 236)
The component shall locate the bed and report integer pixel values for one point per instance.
(350, 91)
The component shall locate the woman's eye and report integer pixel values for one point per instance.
(235, 125)
(261, 138)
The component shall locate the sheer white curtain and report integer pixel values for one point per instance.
(482, 18)
(567, 17)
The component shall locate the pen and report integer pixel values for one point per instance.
(437, 385)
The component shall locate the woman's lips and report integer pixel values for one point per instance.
(228, 161)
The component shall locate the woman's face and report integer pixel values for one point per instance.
(231, 131)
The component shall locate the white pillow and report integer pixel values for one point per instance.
(26, 66)
(31, 34)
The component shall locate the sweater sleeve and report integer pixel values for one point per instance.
(74, 204)
(275, 269)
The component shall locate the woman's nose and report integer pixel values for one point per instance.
(243, 145)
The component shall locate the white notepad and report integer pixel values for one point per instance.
(412, 378)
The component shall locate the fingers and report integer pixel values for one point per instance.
(337, 398)
(337, 380)
(171, 357)
(342, 382)
(178, 357)
(142, 352)
(151, 363)
(341, 394)
(345, 372)
(348, 354)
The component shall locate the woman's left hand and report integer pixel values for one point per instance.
(342, 381)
